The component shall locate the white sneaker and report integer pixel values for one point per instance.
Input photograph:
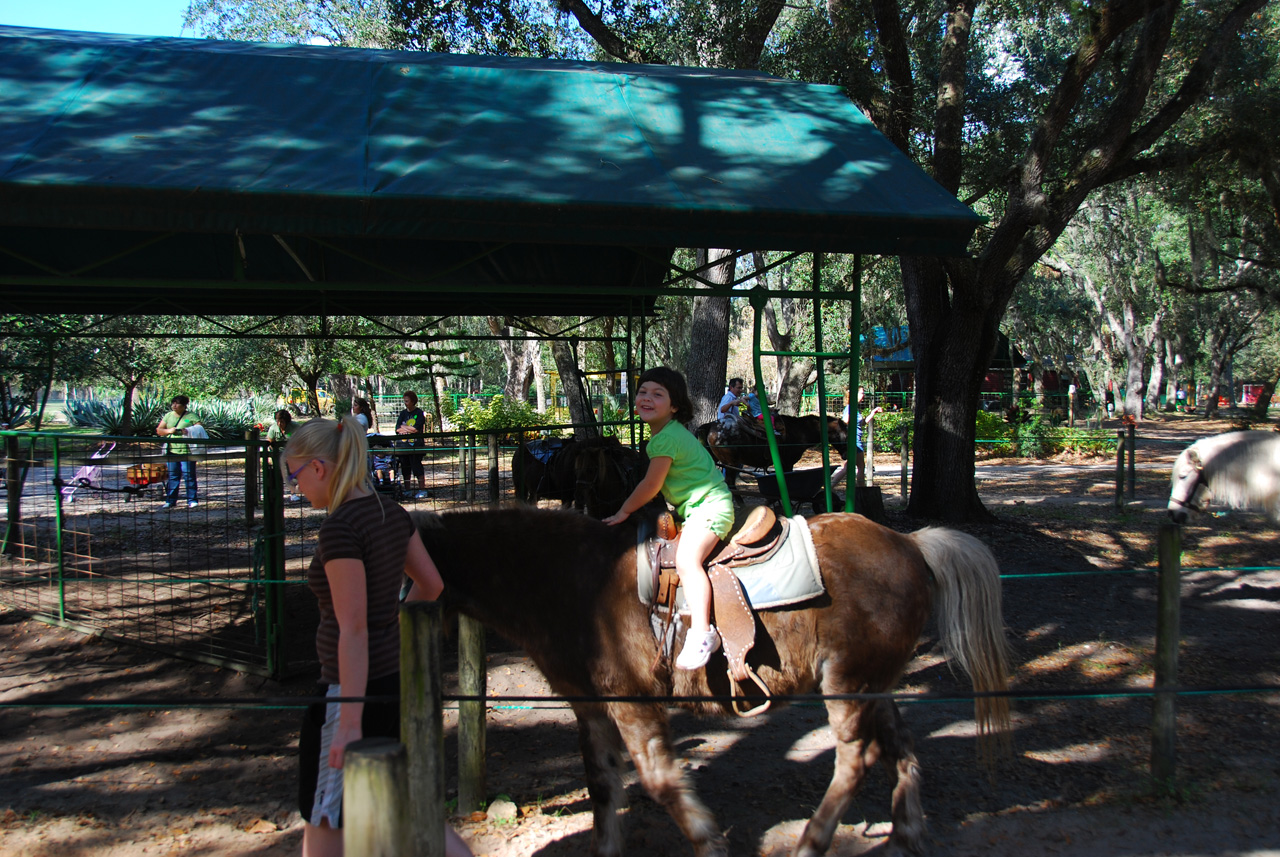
(696, 651)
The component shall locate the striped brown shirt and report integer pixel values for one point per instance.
(377, 533)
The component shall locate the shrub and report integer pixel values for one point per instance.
(512, 418)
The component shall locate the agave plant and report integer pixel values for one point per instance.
(107, 415)
(225, 419)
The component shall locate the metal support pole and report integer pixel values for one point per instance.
(57, 515)
(273, 572)
(759, 297)
(855, 362)
(906, 449)
(822, 383)
(1168, 633)
(421, 723)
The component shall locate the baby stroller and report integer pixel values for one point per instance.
(382, 465)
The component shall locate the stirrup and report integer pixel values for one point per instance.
(735, 691)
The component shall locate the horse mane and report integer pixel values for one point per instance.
(1242, 469)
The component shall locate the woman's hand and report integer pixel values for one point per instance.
(617, 518)
(342, 736)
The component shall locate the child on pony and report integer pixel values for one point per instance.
(687, 477)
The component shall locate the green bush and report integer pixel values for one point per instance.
(512, 418)
(887, 430)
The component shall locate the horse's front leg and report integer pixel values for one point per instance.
(645, 731)
(600, 744)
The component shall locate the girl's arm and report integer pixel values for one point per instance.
(347, 585)
(422, 570)
(647, 489)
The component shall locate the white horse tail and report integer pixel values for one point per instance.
(971, 625)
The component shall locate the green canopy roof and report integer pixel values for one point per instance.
(189, 174)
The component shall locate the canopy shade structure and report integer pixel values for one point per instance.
(154, 174)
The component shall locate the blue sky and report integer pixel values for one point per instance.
(136, 17)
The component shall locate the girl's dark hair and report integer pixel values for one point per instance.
(288, 417)
(676, 388)
(180, 400)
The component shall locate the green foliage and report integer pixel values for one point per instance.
(887, 434)
(225, 419)
(510, 417)
(107, 415)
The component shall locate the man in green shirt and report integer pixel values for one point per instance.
(176, 422)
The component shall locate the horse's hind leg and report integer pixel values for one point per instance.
(644, 730)
(601, 748)
(865, 732)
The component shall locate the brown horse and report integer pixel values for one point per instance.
(564, 588)
(741, 443)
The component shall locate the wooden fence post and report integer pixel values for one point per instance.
(250, 475)
(492, 438)
(13, 494)
(1120, 468)
(375, 799)
(471, 466)
(905, 452)
(1133, 445)
(472, 681)
(421, 726)
(1164, 722)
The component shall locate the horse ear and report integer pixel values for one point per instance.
(1194, 458)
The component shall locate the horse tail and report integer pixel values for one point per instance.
(971, 625)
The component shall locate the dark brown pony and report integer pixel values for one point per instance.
(741, 444)
(564, 588)
(594, 475)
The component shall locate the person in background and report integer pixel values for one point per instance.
(729, 402)
(410, 425)
(364, 548)
(283, 427)
(181, 467)
(361, 411)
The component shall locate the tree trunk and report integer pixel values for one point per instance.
(709, 348)
(1135, 385)
(1156, 381)
(952, 345)
(126, 408)
(575, 394)
(1264, 396)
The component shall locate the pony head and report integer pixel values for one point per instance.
(1190, 491)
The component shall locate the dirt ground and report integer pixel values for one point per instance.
(122, 781)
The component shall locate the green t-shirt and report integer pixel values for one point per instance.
(693, 478)
(172, 420)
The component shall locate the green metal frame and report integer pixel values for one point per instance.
(759, 296)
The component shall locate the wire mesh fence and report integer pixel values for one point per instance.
(203, 554)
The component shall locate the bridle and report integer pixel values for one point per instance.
(1197, 496)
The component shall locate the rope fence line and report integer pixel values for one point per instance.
(1151, 570)
(285, 702)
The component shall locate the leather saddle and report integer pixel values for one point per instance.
(757, 540)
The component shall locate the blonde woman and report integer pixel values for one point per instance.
(365, 545)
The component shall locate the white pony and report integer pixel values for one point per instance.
(1240, 470)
